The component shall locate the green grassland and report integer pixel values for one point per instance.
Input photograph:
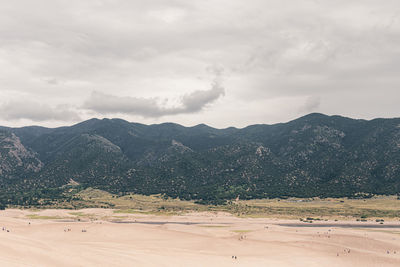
(377, 207)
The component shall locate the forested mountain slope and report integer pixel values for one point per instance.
(315, 155)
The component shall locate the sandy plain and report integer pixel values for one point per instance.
(99, 237)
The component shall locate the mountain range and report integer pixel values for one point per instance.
(315, 155)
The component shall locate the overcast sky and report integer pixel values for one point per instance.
(219, 62)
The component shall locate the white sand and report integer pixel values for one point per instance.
(49, 243)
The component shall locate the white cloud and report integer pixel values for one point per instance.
(58, 52)
(311, 104)
(37, 112)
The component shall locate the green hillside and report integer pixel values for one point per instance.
(315, 155)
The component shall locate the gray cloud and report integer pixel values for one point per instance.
(151, 107)
(37, 112)
(198, 99)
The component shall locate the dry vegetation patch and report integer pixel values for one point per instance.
(378, 207)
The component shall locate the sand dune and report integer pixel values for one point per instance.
(56, 238)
